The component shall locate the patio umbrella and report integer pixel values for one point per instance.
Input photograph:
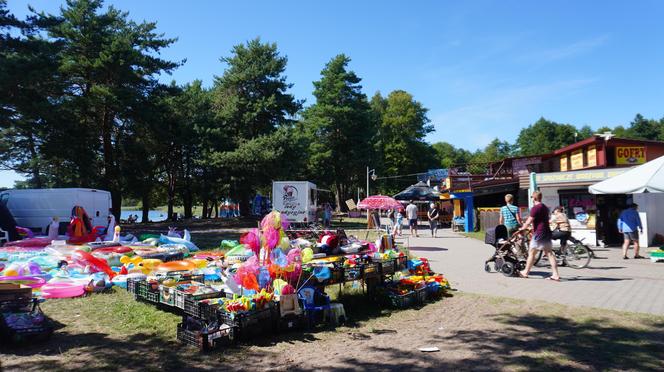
(648, 177)
(379, 202)
(418, 191)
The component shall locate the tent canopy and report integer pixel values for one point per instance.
(648, 177)
(418, 191)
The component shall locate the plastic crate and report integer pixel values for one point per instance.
(15, 296)
(205, 341)
(370, 270)
(401, 263)
(291, 322)
(403, 301)
(132, 285)
(387, 267)
(421, 295)
(199, 309)
(145, 292)
(353, 273)
(32, 333)
(253, 322)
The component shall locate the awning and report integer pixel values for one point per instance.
(648, 177)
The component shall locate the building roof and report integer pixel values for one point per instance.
(600, 139)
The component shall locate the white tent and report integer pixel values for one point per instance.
(648, 177)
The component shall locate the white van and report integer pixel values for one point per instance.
(298, 200)
(35, 208)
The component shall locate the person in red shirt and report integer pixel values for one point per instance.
(541, 241)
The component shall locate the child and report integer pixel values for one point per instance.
(398, 216)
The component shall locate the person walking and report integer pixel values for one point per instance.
(541, 240)
(398, 217)
(510, 216)
(327, 215)
(628, 223)
(560, 227)
(411, 214)
(433, 214)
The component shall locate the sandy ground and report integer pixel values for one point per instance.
(473, 332)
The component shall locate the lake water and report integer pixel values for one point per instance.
(154, 216)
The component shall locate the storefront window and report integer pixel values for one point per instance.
(577, 202)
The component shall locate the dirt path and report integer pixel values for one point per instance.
(475, 332)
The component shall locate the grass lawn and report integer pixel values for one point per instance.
(114, 332)
(479, 235)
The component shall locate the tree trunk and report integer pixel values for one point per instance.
(171, 194)
(337, 196)
(204, 213)
(145, 207)
(110, 174)
(216, 209)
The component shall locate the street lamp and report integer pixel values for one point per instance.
(370, 173)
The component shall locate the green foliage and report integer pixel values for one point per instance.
(545, 136)
(340, 129)
(251, 96)
(402, 127)
(252, 102)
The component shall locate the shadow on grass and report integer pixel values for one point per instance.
(553, 342)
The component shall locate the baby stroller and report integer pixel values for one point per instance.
(510, 254)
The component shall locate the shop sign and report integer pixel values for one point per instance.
(589, 176)
(630, 155)
(591, 154)
(563, 163)
(577, 159)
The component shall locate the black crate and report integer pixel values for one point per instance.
(132, 285)
(291, 322)
(370, 270)
(422, 295)
(205, 341)
(144, 292)
(403, 301)
(387, 267)
(200, 309)
(401, 263)
(251, 323)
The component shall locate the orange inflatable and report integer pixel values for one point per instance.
(176, 266)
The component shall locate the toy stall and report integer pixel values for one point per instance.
(272, 280)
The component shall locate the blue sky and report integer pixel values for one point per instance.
(484, 69)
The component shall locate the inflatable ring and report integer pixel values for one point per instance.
(30, 281)
(62, 290)
(177, 266)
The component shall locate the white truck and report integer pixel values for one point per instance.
(35, 208)
(296, 199)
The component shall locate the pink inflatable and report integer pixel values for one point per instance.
(62, 290)
(30, 243)
(30, 281)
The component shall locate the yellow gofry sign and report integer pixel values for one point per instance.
(630, 155)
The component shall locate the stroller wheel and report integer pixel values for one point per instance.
(507, 269)
(498, 264)
(487, 267)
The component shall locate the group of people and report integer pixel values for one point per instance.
(556, 226)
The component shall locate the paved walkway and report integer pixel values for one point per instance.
(609, 282)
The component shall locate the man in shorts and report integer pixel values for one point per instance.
(541, 240)
(629, 224)
(411, 214)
